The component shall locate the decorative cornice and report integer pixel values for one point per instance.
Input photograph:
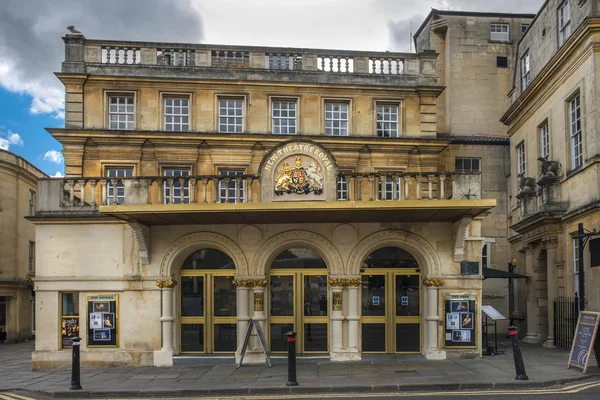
(355, 282)
(250, 283)
(167, 284)
(433, 282)
(550, 242)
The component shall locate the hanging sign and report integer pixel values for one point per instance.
(460, 312)
(585, 340)
(102, 310)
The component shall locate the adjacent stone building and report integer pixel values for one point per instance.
(554, 184)
(18, 200)
(476, 63)
(301, 189)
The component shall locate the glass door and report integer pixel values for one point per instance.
(374, 316)
(281, 310)
(315, 320)
(407, 318)
(223, 321)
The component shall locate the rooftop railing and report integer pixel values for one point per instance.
(87, 194)
(178, 55)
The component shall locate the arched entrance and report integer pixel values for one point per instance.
(390, 302)
(299, 301)
(207, 303)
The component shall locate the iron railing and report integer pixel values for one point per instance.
(566, 314)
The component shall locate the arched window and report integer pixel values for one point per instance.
(208, 259)
(298, 258)
(390, 257)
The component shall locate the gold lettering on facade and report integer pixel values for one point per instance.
(259, 304)
(337, 301)
(295, 147)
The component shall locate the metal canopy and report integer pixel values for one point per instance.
(496, 273)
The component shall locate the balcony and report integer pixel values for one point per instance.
(203, 61)
(159, 200)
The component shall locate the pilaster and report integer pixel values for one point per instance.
(164, 356)
(432, 318)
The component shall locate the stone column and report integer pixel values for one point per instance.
(337, 319)
(532, 317)
(353, 317)
(551, 244)
(432, 318)
(256, 301)
(164, 356)
(242, 316)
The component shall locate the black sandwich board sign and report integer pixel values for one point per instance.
(585, 341)
(261, 340)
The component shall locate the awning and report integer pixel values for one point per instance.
(496, 273)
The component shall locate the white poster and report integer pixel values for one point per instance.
(452, 320)
(95, 320)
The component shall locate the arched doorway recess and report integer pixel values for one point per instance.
(207, 303)
(299, 301)
(390, 302)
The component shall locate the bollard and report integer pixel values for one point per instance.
(291, 359)
(519, 366)
(75, 371)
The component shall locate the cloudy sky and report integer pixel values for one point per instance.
(31, 50)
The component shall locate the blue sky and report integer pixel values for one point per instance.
(15, 117)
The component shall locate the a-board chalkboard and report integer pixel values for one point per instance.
(585, 340)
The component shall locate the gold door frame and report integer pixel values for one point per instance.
(390, 319)
(208, 320)
(299, 319)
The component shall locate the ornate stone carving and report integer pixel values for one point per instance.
(356, 282)
(549, 242)
(425, 254)
(433, 282)
(460, 234)
(549, 168)
(183, 247)
(285, 240)
(526, 186)
(250, 282)
(142, 237)
(166, 284)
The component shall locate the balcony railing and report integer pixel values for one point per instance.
(80, 51)
(86, 194)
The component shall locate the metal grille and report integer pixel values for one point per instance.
(566, 313)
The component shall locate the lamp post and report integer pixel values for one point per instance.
(583, 237)
(511, 291)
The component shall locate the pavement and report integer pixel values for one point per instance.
(201, 376)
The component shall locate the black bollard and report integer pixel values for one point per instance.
(75, 367)
(519, 366)
(291, 359)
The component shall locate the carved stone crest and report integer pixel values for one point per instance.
(526, 186)
(299, 179)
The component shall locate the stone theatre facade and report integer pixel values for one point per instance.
(207, 186)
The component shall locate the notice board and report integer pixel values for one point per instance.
(103, 320)
(460, 320)
(585, 341)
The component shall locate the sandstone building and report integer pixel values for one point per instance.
(18, 199)
(554, 184)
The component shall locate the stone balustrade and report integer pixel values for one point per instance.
(81, 52)
(87, 193)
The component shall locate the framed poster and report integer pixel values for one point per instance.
(103, 320)
(460, 316)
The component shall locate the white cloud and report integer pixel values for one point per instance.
(58, 174)
(54, 156)
(9, 138)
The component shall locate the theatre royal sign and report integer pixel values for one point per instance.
(298, 171)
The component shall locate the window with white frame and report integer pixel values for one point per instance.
(575, 132)
(31, 203)
(564, 22)
(576, 265)
(521, 159)
(467, 164)
(121, 112)
(386, 191)
(336, 119)
(342, 188)
(231, 115)
(485, 256)
(177, 114)
(120, 187)
(525, 72)
(387, 120)
(31, 257)
(177, 187)
(499, 32)
(544, 140)
(284, 117)
(228, 193)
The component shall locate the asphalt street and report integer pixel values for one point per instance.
(577, 391)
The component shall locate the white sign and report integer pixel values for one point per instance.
(404, 301)
(95, 320)
(452, 320)
(492, 313)
(375, 300)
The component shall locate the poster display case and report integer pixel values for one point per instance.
(103, 320)
(460, 320)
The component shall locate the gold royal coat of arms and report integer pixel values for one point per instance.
(299, 180)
